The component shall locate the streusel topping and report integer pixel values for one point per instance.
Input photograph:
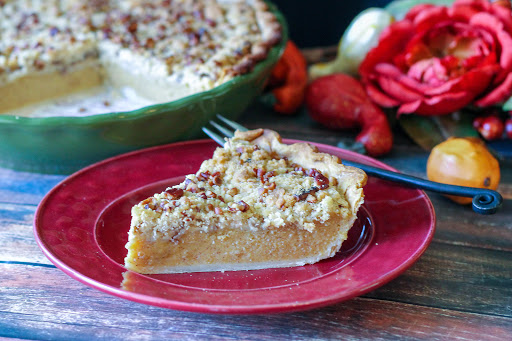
(260, 188)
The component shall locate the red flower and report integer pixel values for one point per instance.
(440, 59)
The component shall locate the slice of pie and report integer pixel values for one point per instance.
(258, 203)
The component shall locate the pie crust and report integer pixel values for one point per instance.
(258, 203)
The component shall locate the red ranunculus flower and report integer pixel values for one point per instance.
(440, 59)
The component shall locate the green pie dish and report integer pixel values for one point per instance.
(62, 145)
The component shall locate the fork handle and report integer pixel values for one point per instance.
(485, 201)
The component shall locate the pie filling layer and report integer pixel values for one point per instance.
(256, 204)
(40, 87)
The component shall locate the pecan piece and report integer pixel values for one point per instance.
(268, 175)
(304, 193)
(148, 204)
(242, 206)
(259, 173)
(203, 176)
(210, 194)
(270, 186)
(233, 191)
(216, 179)
(174, 193)
(322, 181)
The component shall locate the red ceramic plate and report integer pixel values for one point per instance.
(82, 226)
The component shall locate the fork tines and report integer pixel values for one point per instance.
(225, 131)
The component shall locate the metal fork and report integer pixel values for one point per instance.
(485, 201)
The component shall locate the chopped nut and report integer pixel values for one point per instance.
(259, 173)
(242, 206)
(280, 202)
(303, 194)
(132, 27)
(233, 191)
(39, 64)
(203, 176)
(175, 193)
(268, 175)
(270, 186)
(322, 181)
(210, 194)
(148, 204)
(218, 210)
(216, 179)
(150, 43)
(298, 168)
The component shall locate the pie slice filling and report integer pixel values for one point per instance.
(256, 204)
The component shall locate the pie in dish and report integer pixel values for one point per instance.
(161, 49)
(257, 203)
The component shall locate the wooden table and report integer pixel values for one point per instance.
(461, 288)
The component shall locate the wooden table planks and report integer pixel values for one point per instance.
(461, 288)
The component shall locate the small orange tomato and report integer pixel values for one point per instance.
(463, 162)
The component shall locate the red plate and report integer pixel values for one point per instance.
(82, 226)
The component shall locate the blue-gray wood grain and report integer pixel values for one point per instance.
(461, 288)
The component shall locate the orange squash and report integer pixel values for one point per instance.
(463, 162)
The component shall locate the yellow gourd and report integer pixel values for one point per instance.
(463, 162)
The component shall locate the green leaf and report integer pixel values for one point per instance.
(422, 130)
(398, 8)
(507, 106)
(429, 131)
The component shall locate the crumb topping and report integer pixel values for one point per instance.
(247, 184)
(207, 42)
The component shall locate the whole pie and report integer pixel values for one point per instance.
(162, 49)
(257, 203)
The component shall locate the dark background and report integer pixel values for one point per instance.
(315, 23)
